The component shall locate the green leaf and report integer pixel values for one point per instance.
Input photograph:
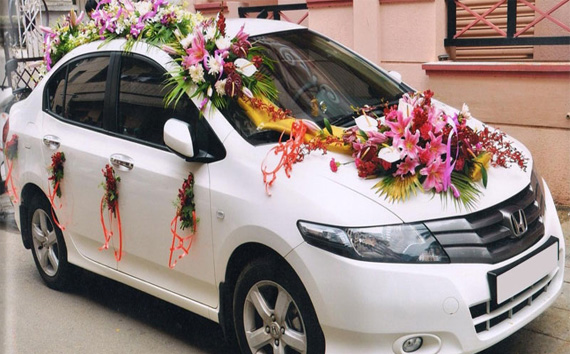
(328, 126)
(484, 175)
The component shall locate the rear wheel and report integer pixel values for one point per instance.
(48, 247)
(273, 313)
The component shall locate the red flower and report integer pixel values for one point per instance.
(221, 24)
(110, 185)
(334, 165)
(257, 61)
(56, 168)
(229, 68)
(233, 85)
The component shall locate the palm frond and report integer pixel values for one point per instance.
(468, 192)
(398, 188)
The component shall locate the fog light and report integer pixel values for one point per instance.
(412, 344)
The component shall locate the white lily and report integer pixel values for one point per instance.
(389, 154)
(366, 123)
(245, 67)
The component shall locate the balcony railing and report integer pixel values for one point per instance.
(497, 32)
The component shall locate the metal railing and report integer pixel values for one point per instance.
(510, 36)
(274, 12)
(23, 43)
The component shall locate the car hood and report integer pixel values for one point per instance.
(503, 183)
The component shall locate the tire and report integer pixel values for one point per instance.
(263, 327)
(48, 246)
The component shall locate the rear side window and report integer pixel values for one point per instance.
(77, 91)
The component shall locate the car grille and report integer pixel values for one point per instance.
(486, 236)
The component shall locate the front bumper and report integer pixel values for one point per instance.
(366, 307)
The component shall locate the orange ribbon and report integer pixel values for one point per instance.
(181, 239)
(108, 233)
(51, 196)
(10, 186)
(290, 153)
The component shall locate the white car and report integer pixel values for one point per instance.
(287, 273)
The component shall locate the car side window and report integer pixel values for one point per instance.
(141, 112)
(85, 91)
(77, 91)
(56, 92)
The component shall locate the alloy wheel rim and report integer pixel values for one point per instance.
(272, 320)
(45, 243)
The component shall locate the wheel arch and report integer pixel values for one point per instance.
(28, 192)
(240, 258)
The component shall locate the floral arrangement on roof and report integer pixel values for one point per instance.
(220, 67)
(417, 147)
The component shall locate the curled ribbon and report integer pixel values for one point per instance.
(289, 151)
(10, 186)
(108, 233)
(179, 241)
(448, 165)
(51, 196)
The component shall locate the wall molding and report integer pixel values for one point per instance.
(211, 7)
(451, 67)
(315, 4)
(402, 1)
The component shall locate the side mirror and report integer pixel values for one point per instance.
(177, 137)
(396, 76)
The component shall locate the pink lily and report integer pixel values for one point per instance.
(241, 35)
(409, 144)
(168, 49)
(434, 148)
(376, 137)
(407, 166)
(197, 51)
(434, 173)
(399, 126)
(46, 30)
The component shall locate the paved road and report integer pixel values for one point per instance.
(102, 316)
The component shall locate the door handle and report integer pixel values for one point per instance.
(52, 142)
(123, 162)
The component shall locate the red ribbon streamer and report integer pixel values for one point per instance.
(181, 239)
(108, 233)
(51, 196)
(10, 186)
(290, 153)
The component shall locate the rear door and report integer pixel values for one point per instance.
(76, 110)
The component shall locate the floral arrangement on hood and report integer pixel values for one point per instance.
(220, 67)
(417, 147)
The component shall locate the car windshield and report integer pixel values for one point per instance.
(316, 79)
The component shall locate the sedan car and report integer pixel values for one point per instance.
(323, 262)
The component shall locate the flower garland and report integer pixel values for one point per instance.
(186, 214)
(11, 153)
(111, 200)
(56, 176)
(217, 67)
(56, 171)
(419, 148)
(415, 147)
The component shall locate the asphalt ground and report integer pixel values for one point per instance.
(102, 316)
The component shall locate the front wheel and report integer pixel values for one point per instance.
(273, 313)
(48, 247)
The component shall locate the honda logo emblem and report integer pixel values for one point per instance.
(518, 223)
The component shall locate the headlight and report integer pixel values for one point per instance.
(403, 243)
